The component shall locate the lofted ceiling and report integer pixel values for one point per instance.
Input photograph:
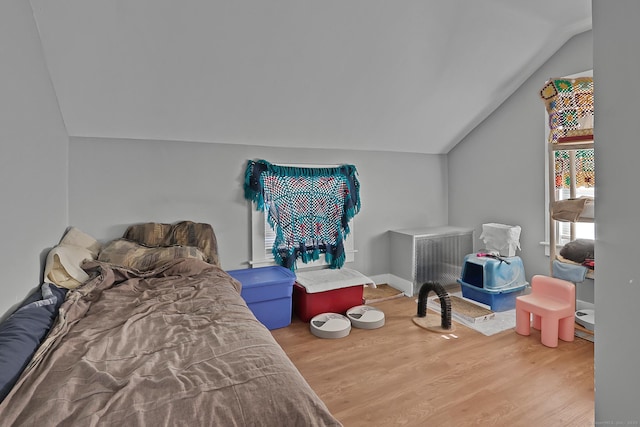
(410, 75)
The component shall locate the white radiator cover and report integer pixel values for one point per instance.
(431, 254)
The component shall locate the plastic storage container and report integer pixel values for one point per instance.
(307, 305)
(501, 300)
(268, 293)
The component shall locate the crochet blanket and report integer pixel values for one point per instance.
(308, 208)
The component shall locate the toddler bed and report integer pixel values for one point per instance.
(158, 335)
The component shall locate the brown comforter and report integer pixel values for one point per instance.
(173, 346)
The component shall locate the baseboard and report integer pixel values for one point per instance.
(407, 287)
(395, 282)
(379, 279)
(583, 305)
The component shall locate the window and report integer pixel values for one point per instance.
(582, 230)
(563, 230)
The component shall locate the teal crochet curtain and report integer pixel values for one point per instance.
(308, 208)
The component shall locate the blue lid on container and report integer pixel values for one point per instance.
(263, 276)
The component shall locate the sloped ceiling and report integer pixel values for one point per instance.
(408, 75)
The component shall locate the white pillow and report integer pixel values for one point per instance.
(75, 237)
(63, 265)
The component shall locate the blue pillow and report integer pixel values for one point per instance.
(23, 331)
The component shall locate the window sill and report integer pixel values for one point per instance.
(546, 247)
(255, 263)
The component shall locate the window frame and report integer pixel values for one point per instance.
(560, 240)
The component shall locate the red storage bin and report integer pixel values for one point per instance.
(307, 305)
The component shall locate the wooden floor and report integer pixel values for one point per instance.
(403, 375)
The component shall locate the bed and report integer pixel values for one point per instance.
(158, 335)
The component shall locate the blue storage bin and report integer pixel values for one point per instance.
(500, 300)
(492, 274)
(268, 293)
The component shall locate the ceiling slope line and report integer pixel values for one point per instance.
(519, 78)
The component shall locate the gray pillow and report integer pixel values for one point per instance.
(578, 250)
(130, 254)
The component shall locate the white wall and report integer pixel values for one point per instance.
(617, 105)
(496, 174)
(356, 73)
(33, 156)
(117, 182)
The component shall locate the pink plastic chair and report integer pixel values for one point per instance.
(552, 302)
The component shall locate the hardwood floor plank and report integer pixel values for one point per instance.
(403, 375)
